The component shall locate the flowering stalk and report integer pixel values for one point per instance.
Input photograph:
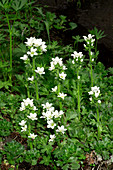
(78, 89)
(28, 92)
(36, 84)
(91, 69)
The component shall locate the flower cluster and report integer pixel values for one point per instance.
(36, 46)
(95, 91)
(89, 41)
(28, 104)
(50, 114)
(57, 63)
(77, 57)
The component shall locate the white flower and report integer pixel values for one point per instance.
(61, 129)
(56, 114)
(40, 70)
(54, 89)
(47, 106)
(30, 41)
(52, 137)
(92, 59)
(32, 52)
(62, 75)
(28, 102)
(90, 98)
(32, 116)
(24, 128)
(62, 95)
(52, 67)
(99, 101)
(95, 91)
(57, 60)
(32, 136)
(64, 67)
(90, 93)
(22, 123)
(43, 47)
(77, 55)
(22, 106)
(51, 124)
(78, 77)
(73, 62)
(31, 78)
(37, 42)
(48, 115)
(61, 112)
(34, 108)
(25, 57)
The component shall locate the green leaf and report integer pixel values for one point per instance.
(72, 25)
(34, 162)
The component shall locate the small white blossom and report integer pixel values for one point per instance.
(31, 78)
(22, 123)
(56, 114)
(73, 62)
(94, 90)
(43, 47)
(37, 42)
(99, 101)
(92, 59)
(32, 52)
(48, 115)
(54, 89)
(34, 108)
(30, 41)
(40, 70)
(62, 75)
(52, 137)
(52, 67)
(47, 106)
(64, 67)
(90, 98)
(78, 77)
(51, 124)
(28, 102)
(25, 57)
(22, 106)
(32, 136)
(62, 95)
(61, 129)
(24, 128)
(32, 116)
(77, 55)
(57, 60)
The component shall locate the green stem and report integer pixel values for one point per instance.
(78, 89)
(30, 143)
(36, 84)
(91, 69)
(27, 86)
(98, 120)
(10, 34)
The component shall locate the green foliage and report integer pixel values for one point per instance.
(5, 127)
(13, 151)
